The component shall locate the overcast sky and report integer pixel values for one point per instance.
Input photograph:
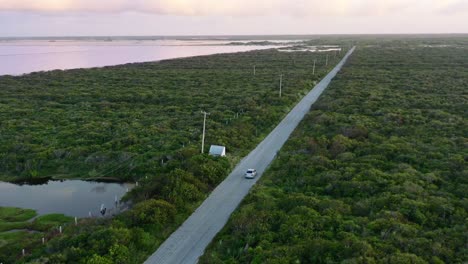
(229, 17)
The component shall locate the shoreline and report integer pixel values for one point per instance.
(102, 56)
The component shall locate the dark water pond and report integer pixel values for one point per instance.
(71, 197)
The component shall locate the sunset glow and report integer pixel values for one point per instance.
(238, 7)
(83, 17)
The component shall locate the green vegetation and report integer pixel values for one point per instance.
(376, 173)
(12, 243)
(14, 218)
(46, 222)
(11, 214)
(125, 121)
(18, 232)
(142, 122)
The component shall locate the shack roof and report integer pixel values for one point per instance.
(217, 150)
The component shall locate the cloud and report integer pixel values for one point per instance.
(165, 7)
(226, 7)
(455, 7)
(345, 7)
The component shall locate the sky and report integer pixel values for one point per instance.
(21, 18)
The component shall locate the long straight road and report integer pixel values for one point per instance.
(189, 241)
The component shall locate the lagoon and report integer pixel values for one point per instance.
(25, 56)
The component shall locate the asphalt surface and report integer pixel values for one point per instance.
(189, 241)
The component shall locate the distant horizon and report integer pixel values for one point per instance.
(231, 35)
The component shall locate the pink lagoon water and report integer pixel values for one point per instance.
(25, 56)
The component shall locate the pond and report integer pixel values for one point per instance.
(70, 197)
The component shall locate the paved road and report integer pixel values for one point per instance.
(188, 242)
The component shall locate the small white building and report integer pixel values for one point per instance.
(218, 151)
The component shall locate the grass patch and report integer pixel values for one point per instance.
(6, 226)
(14, 218)
(13, 214)
(47, 222)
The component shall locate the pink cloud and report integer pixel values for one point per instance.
(457, 7)
(238, 7)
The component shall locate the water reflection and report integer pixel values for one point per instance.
(19, 58)
(99, 189)
(73, 197)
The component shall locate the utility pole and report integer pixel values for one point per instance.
(254, 69)
(313, 70)
(204, 126)
(326, 61)
(281, 84)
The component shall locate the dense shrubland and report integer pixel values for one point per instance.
(376, 173)
(142, 122)
(85, 123)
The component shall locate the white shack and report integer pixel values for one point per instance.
(218, 151)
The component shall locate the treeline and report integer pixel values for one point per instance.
(142, 122)
(376, 173)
